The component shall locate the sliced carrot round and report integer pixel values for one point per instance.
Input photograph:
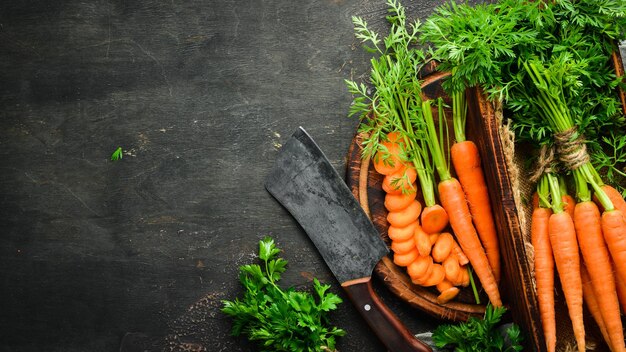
(434, 219)
(442, 248)
(420, 267)
(404, 259)
(397, 202)
(422, 241)
(400, 181)
(448, 295)
(435, 277)
(400, 247)
(451, 267)
(405, 216)
(401, 233)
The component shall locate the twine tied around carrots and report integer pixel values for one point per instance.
(570, 149)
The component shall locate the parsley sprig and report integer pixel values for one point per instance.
(480, 335)
(281, 320)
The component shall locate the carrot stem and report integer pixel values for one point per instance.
(434, 143)
(459, 115)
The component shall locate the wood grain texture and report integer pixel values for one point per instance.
(138, 254)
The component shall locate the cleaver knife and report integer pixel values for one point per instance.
(306, 184)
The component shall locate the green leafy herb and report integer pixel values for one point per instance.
(281, 320)
(117, 154)
(480, 335)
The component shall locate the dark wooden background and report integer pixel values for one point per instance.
(137, 254)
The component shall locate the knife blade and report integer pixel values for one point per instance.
(308, 186)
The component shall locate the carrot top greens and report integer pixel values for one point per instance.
(394, 104)
(492, 45)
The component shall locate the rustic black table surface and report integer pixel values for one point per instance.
(137, 254)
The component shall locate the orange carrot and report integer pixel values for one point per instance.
(615, 197)
(437, 275)
(404, 259)
(565, 249)
(614, 231)
(451, 267)
(434, 219)
(401, 233)
(459, 254)
(591, 301)
(422, 241)
(400, 181)
(466, 161)
(405, 216)
(598, 264)
(544, 273)
(387, 162)
(442, 248)
(453, 200)
(568, 204)
(621, 292)
(433, 238)
(447, 290)
(397, 202)
(401, 247)
(420, 268)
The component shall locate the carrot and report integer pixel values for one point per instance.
(467, 164)
(442, 248)
(591, 301)
(401, 233)
(466, 161)
(400, 181)
(420, 268)
(598, 264)
(544, 273)
(459, 254)
(568, 204)
(451, 267)
(422, 241)
(404, 259)
(448, 293)
(614, 231)
(565, 249)
(405, 216)
(615, 197)
(401, 247)
(434, 219)
(465, 279)
(437, 275)
(621, 292)
(433, 238)
(388, 160)
(453, 200)
(397, 202)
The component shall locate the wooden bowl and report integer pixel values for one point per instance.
(510, 192)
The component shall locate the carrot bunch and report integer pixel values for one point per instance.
(587, 245)
(431, 258)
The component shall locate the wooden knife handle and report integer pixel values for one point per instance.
(389, 329)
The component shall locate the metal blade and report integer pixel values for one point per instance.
(307, 185)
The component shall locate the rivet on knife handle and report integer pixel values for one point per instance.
(394, 335)
(307, 185)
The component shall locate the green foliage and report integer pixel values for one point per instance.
(392, 100)
(489, 46)
(277, 319)
(117, 154)
(479, 335)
